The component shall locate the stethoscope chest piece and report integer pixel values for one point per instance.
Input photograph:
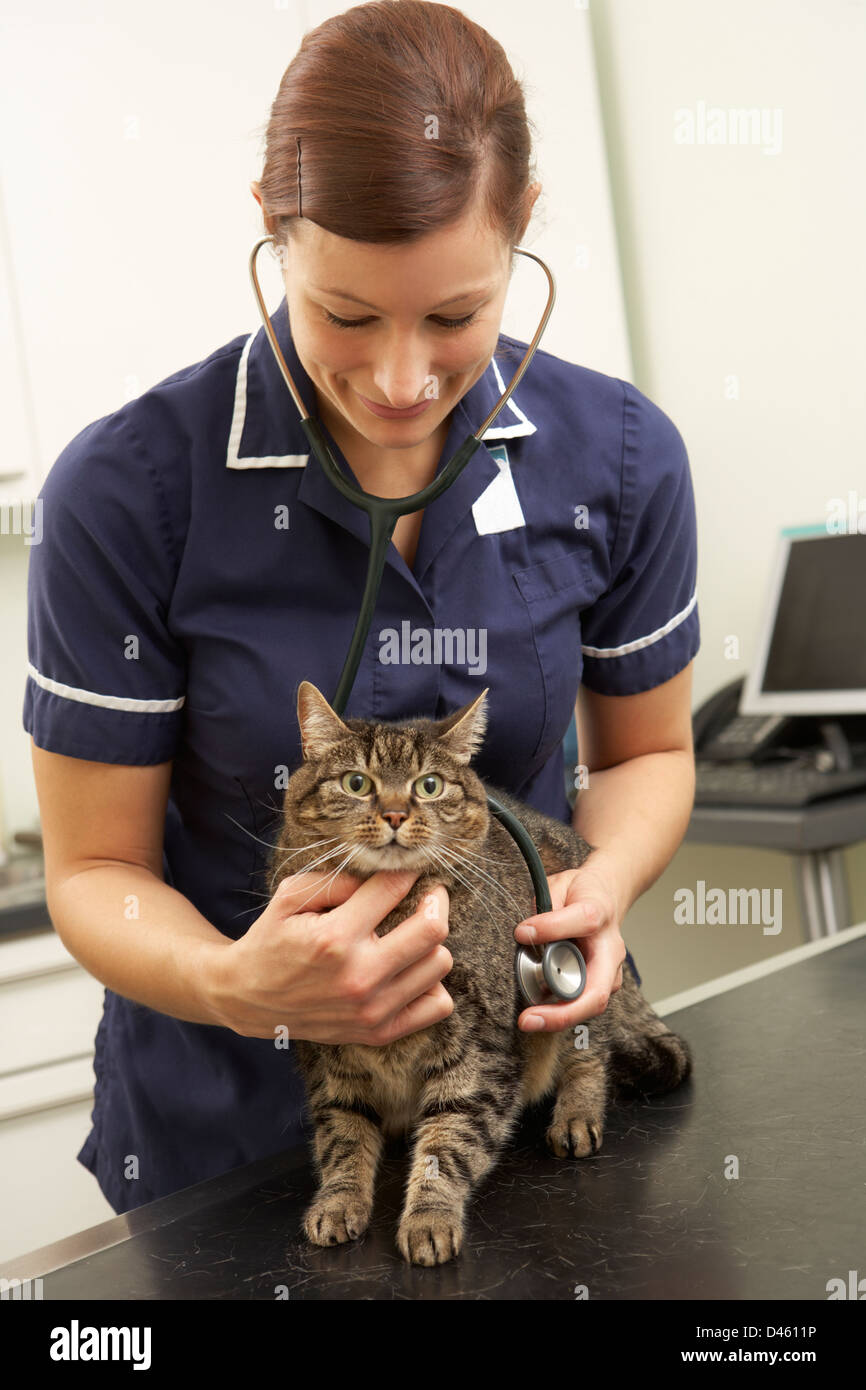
(560, 974)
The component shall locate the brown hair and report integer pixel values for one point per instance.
(406, 112)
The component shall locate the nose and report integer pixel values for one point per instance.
(402, 372)
(394, 818)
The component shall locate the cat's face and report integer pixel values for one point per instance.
(400, 796)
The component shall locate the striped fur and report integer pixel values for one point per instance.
(456, 1089)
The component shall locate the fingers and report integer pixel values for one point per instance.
(396, 979)
(371, 900)
(604, 955)
(417, 935)
(572, 920)
(315, 891)
(390, 1003)
(429, 1008)
(407, 966)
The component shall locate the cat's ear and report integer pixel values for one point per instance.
(319, 725)
(463, 731)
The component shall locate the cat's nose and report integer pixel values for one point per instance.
(394, 818)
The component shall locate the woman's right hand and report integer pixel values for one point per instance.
(313, 965)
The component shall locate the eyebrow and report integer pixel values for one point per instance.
(344, 294)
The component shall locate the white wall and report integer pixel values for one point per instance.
(743, 270)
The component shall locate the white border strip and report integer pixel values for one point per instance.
(723, 983)
(239, 415)
(508, 431)
(639, 642)
(88, 697)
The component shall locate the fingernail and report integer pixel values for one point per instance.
(533, 1023)
(527, 931)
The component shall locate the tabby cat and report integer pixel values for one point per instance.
(457, 1087)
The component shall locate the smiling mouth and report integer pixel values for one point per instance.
(398, 413)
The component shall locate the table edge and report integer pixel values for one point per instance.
(720, 984)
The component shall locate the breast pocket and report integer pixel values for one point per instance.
(554, 593)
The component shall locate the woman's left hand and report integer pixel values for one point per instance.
(585, 905)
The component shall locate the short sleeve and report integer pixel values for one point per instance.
(645, 628)
(105, 677)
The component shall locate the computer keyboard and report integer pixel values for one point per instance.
(774, 784)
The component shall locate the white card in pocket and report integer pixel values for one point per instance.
(498, 508)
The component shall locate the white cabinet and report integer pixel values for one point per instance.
(49, 1012)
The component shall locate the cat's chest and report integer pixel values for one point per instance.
(394, 1076)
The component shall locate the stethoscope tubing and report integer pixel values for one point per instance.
(538, 970)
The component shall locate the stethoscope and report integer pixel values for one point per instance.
(544, 975)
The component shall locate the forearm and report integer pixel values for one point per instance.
(636, 815)
(139, 937)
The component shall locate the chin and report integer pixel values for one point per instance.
(391, 858)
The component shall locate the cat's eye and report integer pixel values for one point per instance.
(428, 786)
(356, 783)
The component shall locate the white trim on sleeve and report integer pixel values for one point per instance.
(647, 641)
(89, 697)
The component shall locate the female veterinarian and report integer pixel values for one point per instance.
(196, 565)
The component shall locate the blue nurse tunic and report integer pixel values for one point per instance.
(196, 565)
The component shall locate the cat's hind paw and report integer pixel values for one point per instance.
(333, 1218)
(430, 1236)
(575, 1138)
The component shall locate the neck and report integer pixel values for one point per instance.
(386, 472)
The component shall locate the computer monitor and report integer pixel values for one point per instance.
(811, 653)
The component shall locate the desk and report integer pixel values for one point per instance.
(816, 834)
(779, 1084)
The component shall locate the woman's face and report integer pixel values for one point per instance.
(424, 333)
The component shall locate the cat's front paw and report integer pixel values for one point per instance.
(575, 1138)
(334, 1219)
(430, 1236)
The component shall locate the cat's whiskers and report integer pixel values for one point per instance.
(312, 845)
(255, 905)
(355, 849)
(473, 868)
(476, 854)
(331, 839)
(320, 859)
(449, 868)
(309, 868)
(258, 838)
(435, 857)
